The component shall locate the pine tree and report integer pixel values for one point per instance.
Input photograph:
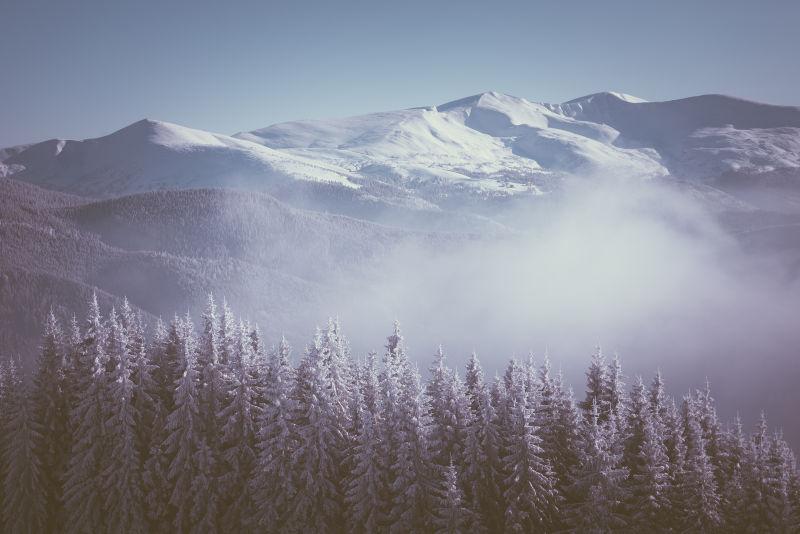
(365, 496)
(50, 414)
(448, 414)
(450, 515)
(778, 470)
(240, 417)
(617, 399)
(413, 481)
(6, 374)
(273, 479)
(733, 498)
(482, 463)
(226, 334)
(165, 352)
(438, 415)
(185, 444)
(394, 360)
(697, 485)
(24, 492)
(598, 386)
(83, 494)
(558, 418)
(317, 504)
(530, 495)
(216, 358)
(121, 473)
(646, 460)
(598, 480)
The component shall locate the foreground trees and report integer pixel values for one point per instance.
(211, 432)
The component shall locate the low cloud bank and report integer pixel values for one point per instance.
(638, 267)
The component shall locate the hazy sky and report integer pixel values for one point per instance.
(87, 67)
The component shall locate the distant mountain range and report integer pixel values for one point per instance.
(157, 210)
(465, 156)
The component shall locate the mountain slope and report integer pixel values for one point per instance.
(167, 249)
(452, 166)
(150, 155)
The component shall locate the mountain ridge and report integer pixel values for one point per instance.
(457, 159)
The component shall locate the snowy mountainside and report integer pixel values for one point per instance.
(453, 165)
(150, 155)
(163, 247)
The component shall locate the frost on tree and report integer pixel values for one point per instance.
(128, 427)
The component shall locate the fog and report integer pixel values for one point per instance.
(642, 269)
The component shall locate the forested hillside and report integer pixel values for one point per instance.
(207, 428)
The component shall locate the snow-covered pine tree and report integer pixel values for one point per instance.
(482, 463)
(121, 472)
(697, 486)
(226, 334)
(6, 369)
(474, 383)
(317, 505)
(657, 398)
(414, 480)
(448, 415)
(617, 398)
(50, 414)
(712, 434)
(598, 386)
(394, 360)
(24, 491)
(598, 480)
(340, 383)
(647, 462)
(365, 495)
(450, 516)
(273, 478)
(165, 351)
(439, 436)
(559, 422)
(184, 444)
(239, 417)
(83, 493)
(530, 495)
(779, 468)
(144, 399)
(733, 498)
(338, 368)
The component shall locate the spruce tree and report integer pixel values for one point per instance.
(24, 493)
(450, 516)
(317, 503)
(240, 417)
(121, 473)
(50, 414)
(273, 479)
(414, 478)
(83, 489)
(165, 352)
(365, 495)
(697, 485)
(530, 494)
(598, 386)
(482, 463)
(185, 445)
(598, 480)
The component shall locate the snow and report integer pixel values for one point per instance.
(489, 143)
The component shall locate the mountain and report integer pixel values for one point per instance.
(170, 248)
(455, 165)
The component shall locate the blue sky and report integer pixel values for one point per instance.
(84, 68)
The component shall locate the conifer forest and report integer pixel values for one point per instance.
(183, 427)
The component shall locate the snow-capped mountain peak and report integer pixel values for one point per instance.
(489, 144)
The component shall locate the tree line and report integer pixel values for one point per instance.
(207, 430)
